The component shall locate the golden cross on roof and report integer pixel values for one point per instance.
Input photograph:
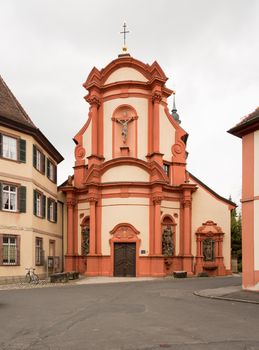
(124, 36)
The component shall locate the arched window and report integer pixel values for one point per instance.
(85, 236)
(168, 239)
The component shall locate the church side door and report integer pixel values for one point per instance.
(125, 259)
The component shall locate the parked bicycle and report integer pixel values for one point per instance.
(31, 276)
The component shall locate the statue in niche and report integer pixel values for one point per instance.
(167, 242)
(124, 123)
(208, 249)
(85, 240)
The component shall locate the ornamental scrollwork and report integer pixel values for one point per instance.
(186, 203)
(94, 101)
(156, 97)
(71, 203)
(178, 148)
(157, 199)
(79, 152)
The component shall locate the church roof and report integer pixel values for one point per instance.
(12, 115)
(213, 193)
(248, 124)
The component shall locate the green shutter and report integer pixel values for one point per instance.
(48, 207)
(18, 249)
(22, 199)
(34, 202)
(43, 163)
(55, 174)
(1, 194)
(34, 156)
(1, 145)
(43, 198)
(48, 166)
(22, 150)
(55, 211)
(1, 249)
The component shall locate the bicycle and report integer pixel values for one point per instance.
(31, 276)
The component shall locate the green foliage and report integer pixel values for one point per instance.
(236, 237)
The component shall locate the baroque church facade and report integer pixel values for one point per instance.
(133, 209)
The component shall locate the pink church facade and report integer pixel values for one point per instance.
(248, 130)
(132, 207)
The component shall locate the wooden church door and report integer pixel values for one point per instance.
(125, 259)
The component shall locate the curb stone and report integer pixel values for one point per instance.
(224, 294)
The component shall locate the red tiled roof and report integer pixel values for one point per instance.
(12, 115)
(10, 108)
(249, 117)
(248, 124)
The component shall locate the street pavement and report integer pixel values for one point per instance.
(148, 314)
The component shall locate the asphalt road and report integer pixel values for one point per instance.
(126, 316)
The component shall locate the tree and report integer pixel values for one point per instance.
(236, 236)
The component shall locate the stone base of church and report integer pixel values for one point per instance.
(212, 268)
(152, 266)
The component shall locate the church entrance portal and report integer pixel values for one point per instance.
(125, 259)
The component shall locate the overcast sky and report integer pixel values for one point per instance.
(209, 50)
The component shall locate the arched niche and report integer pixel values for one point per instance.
(124, 138)
(168, 235)
(85, 236)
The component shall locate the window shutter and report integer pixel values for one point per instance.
(48, 206)
(34, 156)
(43, 198)
(48, 166)
(42, 255)
(18, 249)
(55, 174)
(1, 194)
(34, 202)
(22, 199)
(55, 211)
(1, 249)
(22, 150)
(1, 144)
(43, 163)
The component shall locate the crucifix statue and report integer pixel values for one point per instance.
(124, 125)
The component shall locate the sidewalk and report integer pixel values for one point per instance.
(234, 293)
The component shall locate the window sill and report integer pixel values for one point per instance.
(12, 160)
(10, 211)
(39, 171)
(53, 181)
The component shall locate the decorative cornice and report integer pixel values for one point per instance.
(209, 229)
